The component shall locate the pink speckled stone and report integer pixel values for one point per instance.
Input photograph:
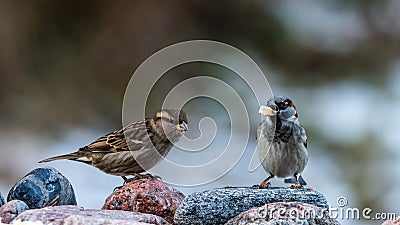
(146, 195)
(77, 215)
(392, 222)
(12, 209)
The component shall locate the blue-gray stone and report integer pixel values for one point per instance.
(2, 201)
(42, 187)
(219, 205)
(284, 213)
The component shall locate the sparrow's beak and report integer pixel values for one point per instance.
(182, 127)
(267, 111)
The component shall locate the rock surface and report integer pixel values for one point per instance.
(392, 222)
(219, 205)
(69, 214)
(2, 201)
(146, 195)
(19, 222)
(284, 213)
(41, 187)
(12, 209)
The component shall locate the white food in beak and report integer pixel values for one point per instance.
(267, 111)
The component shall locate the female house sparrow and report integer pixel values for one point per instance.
(281, 141)
(134, 148)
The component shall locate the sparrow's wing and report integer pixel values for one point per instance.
(267, 130)
(116, 141)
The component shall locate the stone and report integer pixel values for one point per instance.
(12, 209)
(42, 187)
(78, 219)
(219, 205)
(19, 222)
(392, 222)
(76, 215)
(2, 201)
(147, 195)
(284, 213)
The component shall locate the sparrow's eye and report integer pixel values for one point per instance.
(282, 105)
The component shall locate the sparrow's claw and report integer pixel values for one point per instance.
(265, 183)
(297, 185)
(141, 176)
(147, 176)
(137, 177)
(117, 188)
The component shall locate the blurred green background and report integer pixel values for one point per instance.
(64, 67)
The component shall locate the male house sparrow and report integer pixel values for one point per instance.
(134, 148)
(281, 141)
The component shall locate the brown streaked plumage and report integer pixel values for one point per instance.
(134, 148)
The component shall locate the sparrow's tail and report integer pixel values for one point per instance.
(71, 156)
(293, 180)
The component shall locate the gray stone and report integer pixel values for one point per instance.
(219, 205)
(77, 215)
(12, 209)
(284, 213)
(42, 187)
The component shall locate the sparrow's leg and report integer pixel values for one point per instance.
(126, 180)
(139, 176)
(147, 176)
(297, 184)
(292, 180)
(265, 183)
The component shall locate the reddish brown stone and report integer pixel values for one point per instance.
(146, 195)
